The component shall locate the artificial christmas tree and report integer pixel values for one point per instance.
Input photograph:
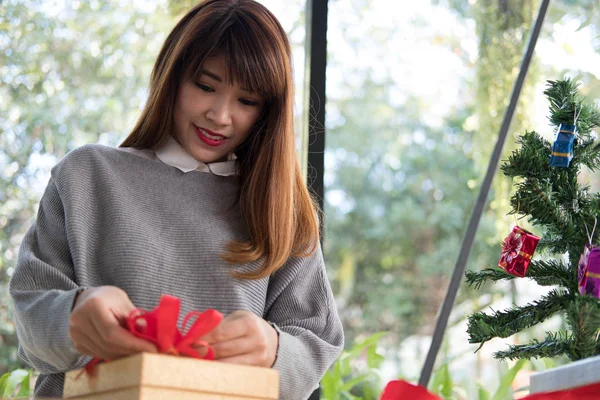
(563, 213)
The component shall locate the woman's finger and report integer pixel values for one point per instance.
(86, 347)
(228, 329)
(234, 347)
(115, 339)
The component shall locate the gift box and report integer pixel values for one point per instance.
(562, 149)
(148, 376)
(589, 271)
(517, 251)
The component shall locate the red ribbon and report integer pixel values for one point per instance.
(159, 326)
(401, 390)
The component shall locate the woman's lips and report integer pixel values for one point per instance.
(209, 137)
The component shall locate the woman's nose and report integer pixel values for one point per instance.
(220, 112)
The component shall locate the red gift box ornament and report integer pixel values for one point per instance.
(517, 251)
(159, 326)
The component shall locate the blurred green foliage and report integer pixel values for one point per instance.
(70, 74)
(346, 379)
(356, 375)
(16, 384)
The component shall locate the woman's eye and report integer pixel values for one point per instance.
(204, 87)
(247, 102)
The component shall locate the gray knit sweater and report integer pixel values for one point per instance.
(110, 217)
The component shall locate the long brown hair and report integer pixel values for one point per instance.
(274, 202)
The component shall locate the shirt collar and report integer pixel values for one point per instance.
(174, 155)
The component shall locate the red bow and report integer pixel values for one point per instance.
(160, 327)
(511, 246)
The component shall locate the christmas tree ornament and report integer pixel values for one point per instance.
(562, 150)
(517, 251)
(589, 271)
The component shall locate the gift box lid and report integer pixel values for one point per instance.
(182, 373)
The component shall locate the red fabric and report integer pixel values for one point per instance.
(159, 326)
(401, 390)
(589, 392)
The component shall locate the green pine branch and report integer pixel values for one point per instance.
(531, 199)
(566, 105)
(588, 154)
(477, 278)
(583, 318)
(544, 273)
(553, 345)
(483, 327)
(530, 159)
(552, 273)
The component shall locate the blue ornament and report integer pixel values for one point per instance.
(562, 150)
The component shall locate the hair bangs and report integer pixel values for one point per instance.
(249, 52)
(252, 62)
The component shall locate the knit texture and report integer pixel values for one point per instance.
(110, 217)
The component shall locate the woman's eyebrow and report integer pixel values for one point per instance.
(211, 75)
(220, 80)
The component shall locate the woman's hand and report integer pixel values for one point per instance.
(244, 338)
(96, 324)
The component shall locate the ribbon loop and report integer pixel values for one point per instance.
(511, 246)
(159, 326)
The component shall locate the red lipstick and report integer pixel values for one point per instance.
(209, 137)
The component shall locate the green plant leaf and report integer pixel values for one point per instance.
(14, 379)
(349, 396)
(504, 389)
(25, 389)
(374, 359)
(347, 386)
(3, 380)
(331, 382)
(328, 386)
(442, 382)
(345, 367)
(538, 364)
(482, 394)
(372, 340)
(584, 24)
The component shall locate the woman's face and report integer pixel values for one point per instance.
(213, 114)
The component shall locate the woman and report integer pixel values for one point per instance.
(204, 201)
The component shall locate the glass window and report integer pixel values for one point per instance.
(416, 92)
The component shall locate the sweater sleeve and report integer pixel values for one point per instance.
(43, 289)
(301, 304)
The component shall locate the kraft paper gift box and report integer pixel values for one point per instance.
(149, 376)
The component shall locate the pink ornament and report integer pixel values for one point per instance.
(589, 271)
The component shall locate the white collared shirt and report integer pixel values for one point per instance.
(174, 155)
